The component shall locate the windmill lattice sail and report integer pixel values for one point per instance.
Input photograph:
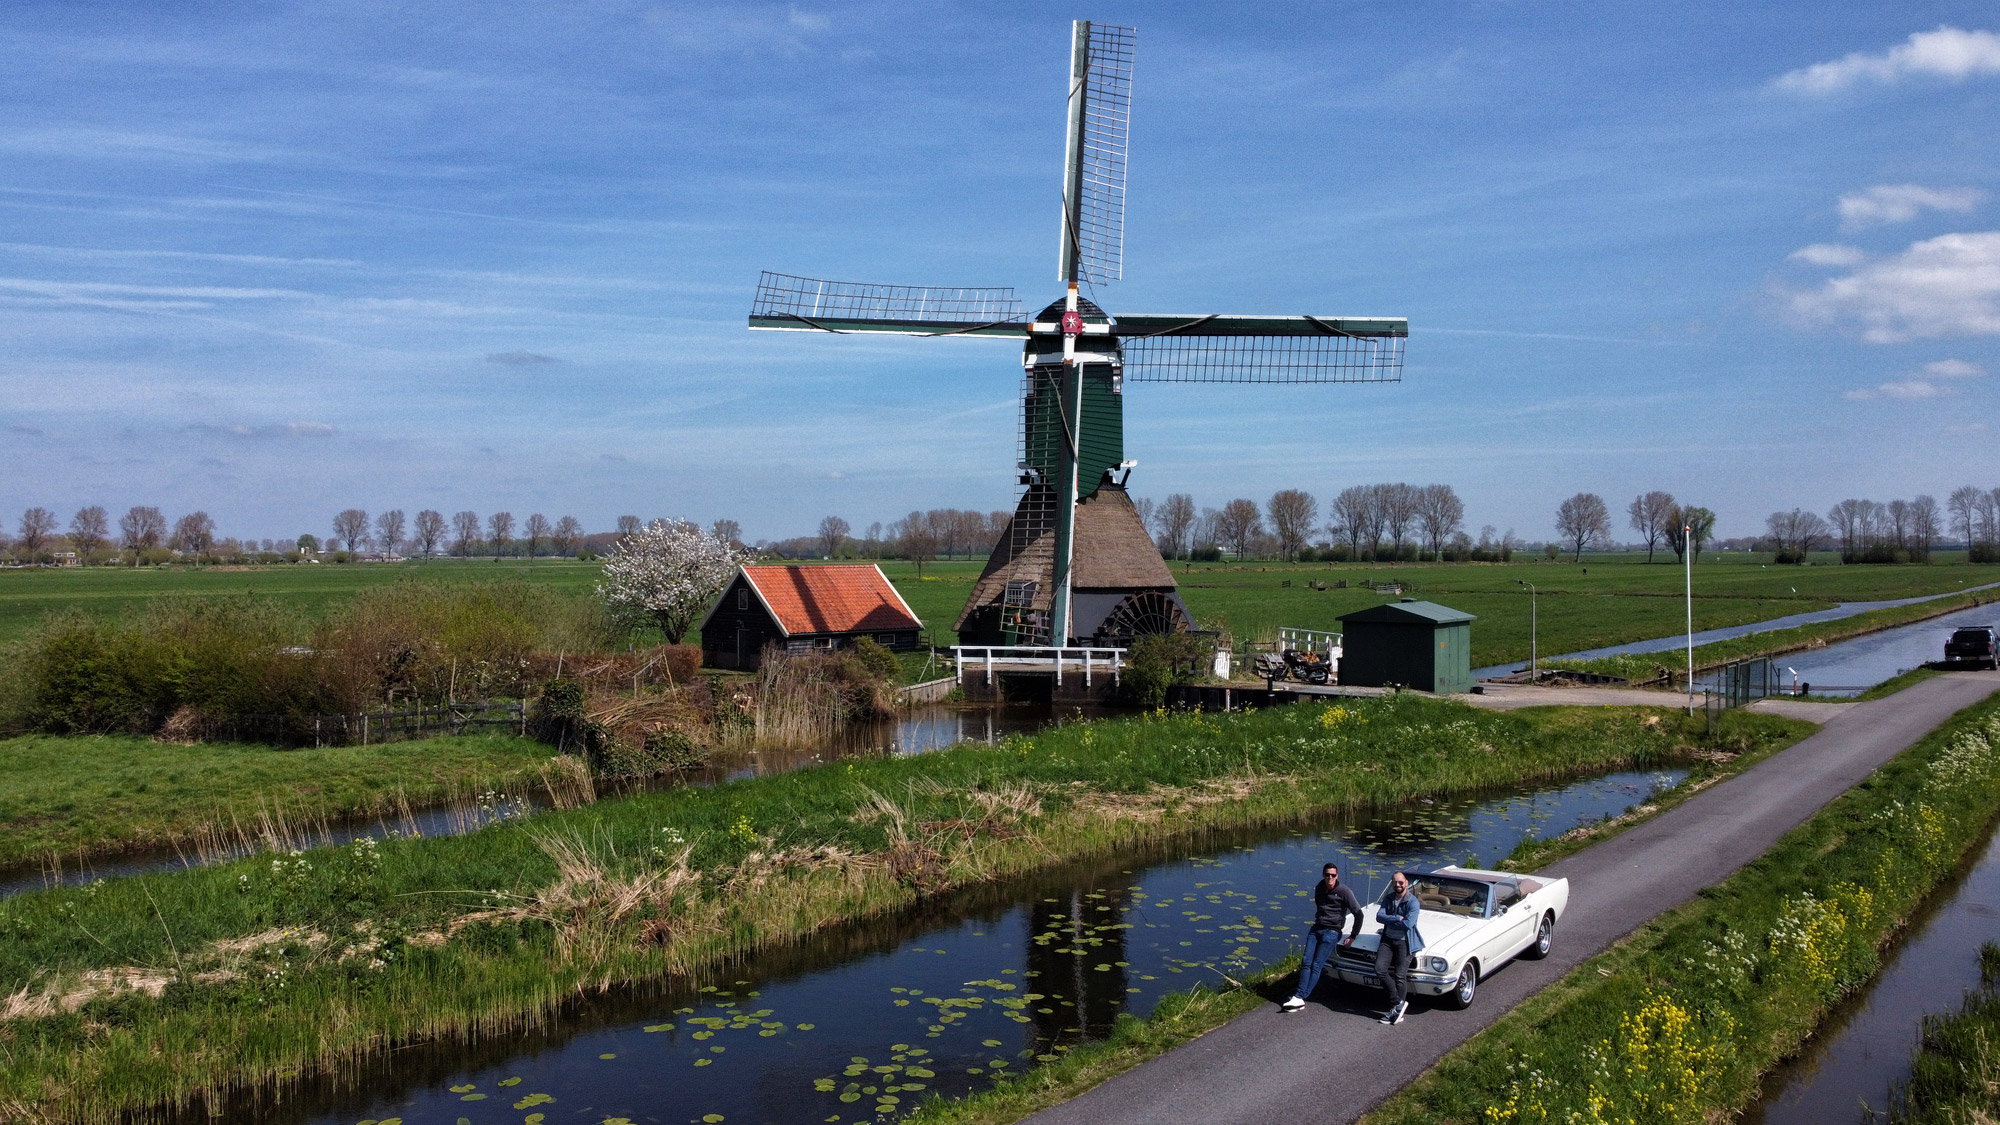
(1103, 131)
(785, 301)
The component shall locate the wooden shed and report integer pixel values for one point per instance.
(800, 608)
(1416, 644)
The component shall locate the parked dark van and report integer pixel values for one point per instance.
(1976, 645)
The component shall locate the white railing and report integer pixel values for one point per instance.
(1309, 640)
(1038, 658)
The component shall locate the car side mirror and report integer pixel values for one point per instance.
(1505, 907)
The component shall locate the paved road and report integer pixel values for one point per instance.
(1334, 1063)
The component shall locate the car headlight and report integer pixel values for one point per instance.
(1436, 964)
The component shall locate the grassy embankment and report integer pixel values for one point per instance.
(1955, 1078)
(1677, 1022)
(375, 944)
(102, 794)
(1607, 599)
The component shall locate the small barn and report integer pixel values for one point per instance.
(800, 608)
(1416, 644)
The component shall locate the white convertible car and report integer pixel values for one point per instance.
(1473, 922)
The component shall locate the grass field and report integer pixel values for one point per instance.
(1606, 599)
(103, 794)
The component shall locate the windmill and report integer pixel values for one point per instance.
(1076, 565)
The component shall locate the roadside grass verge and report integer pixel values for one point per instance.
(1955, 1077)
(1644, 666)
(1677, 1022)
(165, 988)
(97, 795)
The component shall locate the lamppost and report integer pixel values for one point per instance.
(1687, 560)
(1534, 634)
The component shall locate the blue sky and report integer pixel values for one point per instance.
(272, 261)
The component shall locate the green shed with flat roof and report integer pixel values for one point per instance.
(1416, 644)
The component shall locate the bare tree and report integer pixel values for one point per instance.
(194, 533)
(1689, 525)
(1292, 513)
(569, 533)
(1896, 527)
(728, 531)
(1398, 508)
(1649, 513)
(1583, 520)
(1237, 523)
(430, 531)
(1441, 513)
(832, 533)
(351, 528)
(1172, 522)
(1350, 517)
(37, 525)
(1963, 504)
(389, 530)
(1924, 528)
(1145, 507)
(537, 530)
(628, 525)
(142, 528)
(465, 533)
(90, 530)
(915, 540)
(1794, 533)
(500, 529)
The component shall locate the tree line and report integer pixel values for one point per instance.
(1367, 521)
(1869, 531)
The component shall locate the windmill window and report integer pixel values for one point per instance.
(742, 598)
(885, 638)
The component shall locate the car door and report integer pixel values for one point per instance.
(1512, 920)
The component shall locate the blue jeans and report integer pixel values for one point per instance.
(1319, 949)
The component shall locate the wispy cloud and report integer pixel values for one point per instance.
(1948, 52)
(1902, 388)
(1944, 286)
(1830, 254)
(521, 359)
(278, 430)
(1899, 203)
(1953, 369)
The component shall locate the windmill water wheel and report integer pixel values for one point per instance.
(1144, 614)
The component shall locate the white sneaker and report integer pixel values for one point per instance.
(1396, 1013)
(1292, 1005)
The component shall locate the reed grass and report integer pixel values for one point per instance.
(419, 939)
(1955, 1076)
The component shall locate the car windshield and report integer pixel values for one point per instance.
(1464, 897)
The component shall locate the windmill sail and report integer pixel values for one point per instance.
(1100, 120)
(806, 304)
(1262, 349)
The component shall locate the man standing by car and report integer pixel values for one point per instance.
(1333, 903)
(1397, 910)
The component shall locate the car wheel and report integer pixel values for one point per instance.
(1544, 939)
(1461, 994)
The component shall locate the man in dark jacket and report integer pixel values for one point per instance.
(1333, 905)
(1397, 910)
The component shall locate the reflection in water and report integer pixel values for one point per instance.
(861, 1023)
(1864, 1049)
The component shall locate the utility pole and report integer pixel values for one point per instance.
(1534, 634)
(1687, 561)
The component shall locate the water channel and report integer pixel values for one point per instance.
(1835, 613)
(861, 1024)
(1864, 1050)
(917, 731)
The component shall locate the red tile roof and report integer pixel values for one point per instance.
(831, 599)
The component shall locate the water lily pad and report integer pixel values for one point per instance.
(509, 1082)
(607, 1055)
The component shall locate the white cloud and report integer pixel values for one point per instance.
(1944, 286)
(1829, 254)
(1905, 388)
(1953, 369)
(1947, 52)
(1899, 203)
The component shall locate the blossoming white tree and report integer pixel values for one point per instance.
(667, 572)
